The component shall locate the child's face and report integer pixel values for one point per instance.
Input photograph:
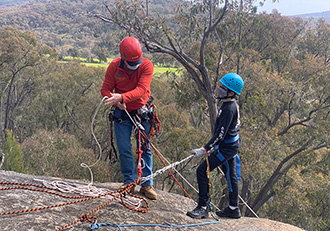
(222, 91)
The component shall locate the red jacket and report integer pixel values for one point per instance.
(134, 87)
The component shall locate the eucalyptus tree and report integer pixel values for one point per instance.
(21, 57)
(194, 23)
(284, 110)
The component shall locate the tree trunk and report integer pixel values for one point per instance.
(212, 105)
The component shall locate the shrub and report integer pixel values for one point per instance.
(58, 154)
(13, 158)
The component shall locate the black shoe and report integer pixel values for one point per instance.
(198, 213)
(227, 212)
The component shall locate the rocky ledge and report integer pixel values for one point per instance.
(170, 208)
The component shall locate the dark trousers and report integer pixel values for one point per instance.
(203, 181)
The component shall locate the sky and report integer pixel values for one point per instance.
(296, 7)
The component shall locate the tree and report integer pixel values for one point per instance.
(101, 53)
(285, 121)
(13, 160)
(63, 99)
(20, 56)
(197, 22)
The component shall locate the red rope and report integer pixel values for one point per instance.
(85, 217)
(139, 153)
(165, 164)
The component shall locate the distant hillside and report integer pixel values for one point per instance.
(63, 24)
(325, 15)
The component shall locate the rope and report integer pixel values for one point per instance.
(91, 193)
(83, 190)
(96, 225)
(146, 137)
(162, 170)
(254, 213)
(85, 217)
(97, 142)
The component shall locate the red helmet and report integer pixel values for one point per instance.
(130, 50)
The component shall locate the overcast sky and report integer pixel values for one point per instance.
(295, 7)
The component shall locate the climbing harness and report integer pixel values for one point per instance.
(226, 164)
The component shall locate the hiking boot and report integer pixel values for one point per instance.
(198, 213)
(227, 212)
(149, 192)
(124, 185)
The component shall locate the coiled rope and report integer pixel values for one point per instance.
(85, 217)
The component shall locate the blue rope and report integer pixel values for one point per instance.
(168, 225)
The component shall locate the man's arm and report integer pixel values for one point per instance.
(109, 81)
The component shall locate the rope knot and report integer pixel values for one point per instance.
(88, 217)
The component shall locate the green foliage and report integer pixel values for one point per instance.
(13, 158)
(306, 199)
(55, 153)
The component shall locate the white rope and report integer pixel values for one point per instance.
(97, 142)
(162, 170)
(91, 191)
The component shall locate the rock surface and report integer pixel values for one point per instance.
(168, 207)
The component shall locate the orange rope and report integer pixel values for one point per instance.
(82, 218)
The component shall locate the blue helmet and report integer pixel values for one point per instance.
(233, 82)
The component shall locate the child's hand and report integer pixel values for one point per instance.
(199, 152)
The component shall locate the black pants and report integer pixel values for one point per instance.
(203, 181)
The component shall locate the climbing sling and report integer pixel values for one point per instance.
(111, 150)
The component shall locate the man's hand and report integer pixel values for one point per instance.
(115, 98)
(199, 152)
(122, 106)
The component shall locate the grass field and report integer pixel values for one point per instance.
(157, 70)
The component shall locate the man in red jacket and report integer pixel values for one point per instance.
(127, 84)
